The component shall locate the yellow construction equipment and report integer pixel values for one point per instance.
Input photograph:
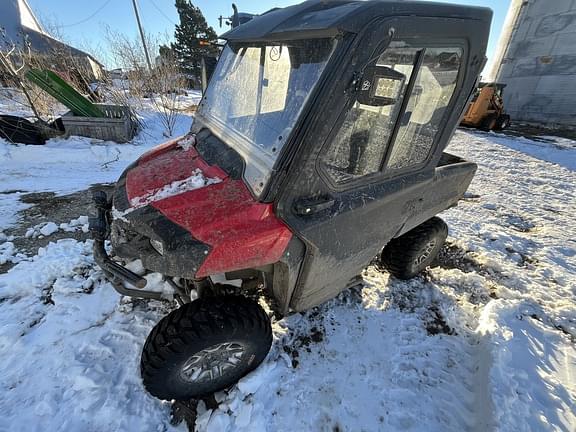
(486, 110)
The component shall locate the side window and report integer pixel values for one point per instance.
(359, 146)
(432, 92)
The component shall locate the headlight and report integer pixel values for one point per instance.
(157, 246)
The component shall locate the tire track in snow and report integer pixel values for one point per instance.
(467, 394)
(520, 229)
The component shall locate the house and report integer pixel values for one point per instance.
(19, 28)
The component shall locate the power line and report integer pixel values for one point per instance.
(89, 17)
(161, 12)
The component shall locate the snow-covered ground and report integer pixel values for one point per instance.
(485, 341)
(68, 165)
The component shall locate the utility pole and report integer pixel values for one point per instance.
(142, 34)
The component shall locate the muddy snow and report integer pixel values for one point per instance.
(485, 340)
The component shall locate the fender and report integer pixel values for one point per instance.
(241, 232)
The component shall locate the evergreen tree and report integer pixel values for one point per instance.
(167, 55)
(192, 37)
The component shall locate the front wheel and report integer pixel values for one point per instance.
(503, 122)
(490, 122)
(205, 346)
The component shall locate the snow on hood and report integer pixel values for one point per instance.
(196, 181)
(187, 142)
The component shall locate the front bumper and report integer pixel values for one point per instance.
(117, 274)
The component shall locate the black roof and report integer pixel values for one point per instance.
(324, 18)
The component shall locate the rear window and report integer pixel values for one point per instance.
(424, 114)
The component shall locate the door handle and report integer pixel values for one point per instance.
(306, 206)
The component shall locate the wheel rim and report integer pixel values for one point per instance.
(212, 362)
(426, 252)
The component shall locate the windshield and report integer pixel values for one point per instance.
(257, 93)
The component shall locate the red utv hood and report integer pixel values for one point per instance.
(241, 232)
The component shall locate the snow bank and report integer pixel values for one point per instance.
(8, 253)
(63, 258)
(532, 379)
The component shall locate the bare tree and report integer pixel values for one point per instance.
(52, 25)
(159, 88)
(13, 65)
(168, 83)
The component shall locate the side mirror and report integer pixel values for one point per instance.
(380, 86)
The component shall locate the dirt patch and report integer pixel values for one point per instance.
(304, 342)
(184, 411)
(316, 335)
(49, 207)
(454, 257)
(435, 322)
(294, 355)
(406, 296)
(302, 339)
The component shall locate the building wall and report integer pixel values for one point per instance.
(536, 58)
(15, 17)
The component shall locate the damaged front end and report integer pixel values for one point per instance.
(182, 218)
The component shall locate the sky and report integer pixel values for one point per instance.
(83, 23)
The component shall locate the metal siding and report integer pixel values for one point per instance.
(539, 62)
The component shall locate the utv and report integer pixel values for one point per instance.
(317, 146)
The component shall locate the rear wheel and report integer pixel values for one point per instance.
(409, 254)
(205, 346)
